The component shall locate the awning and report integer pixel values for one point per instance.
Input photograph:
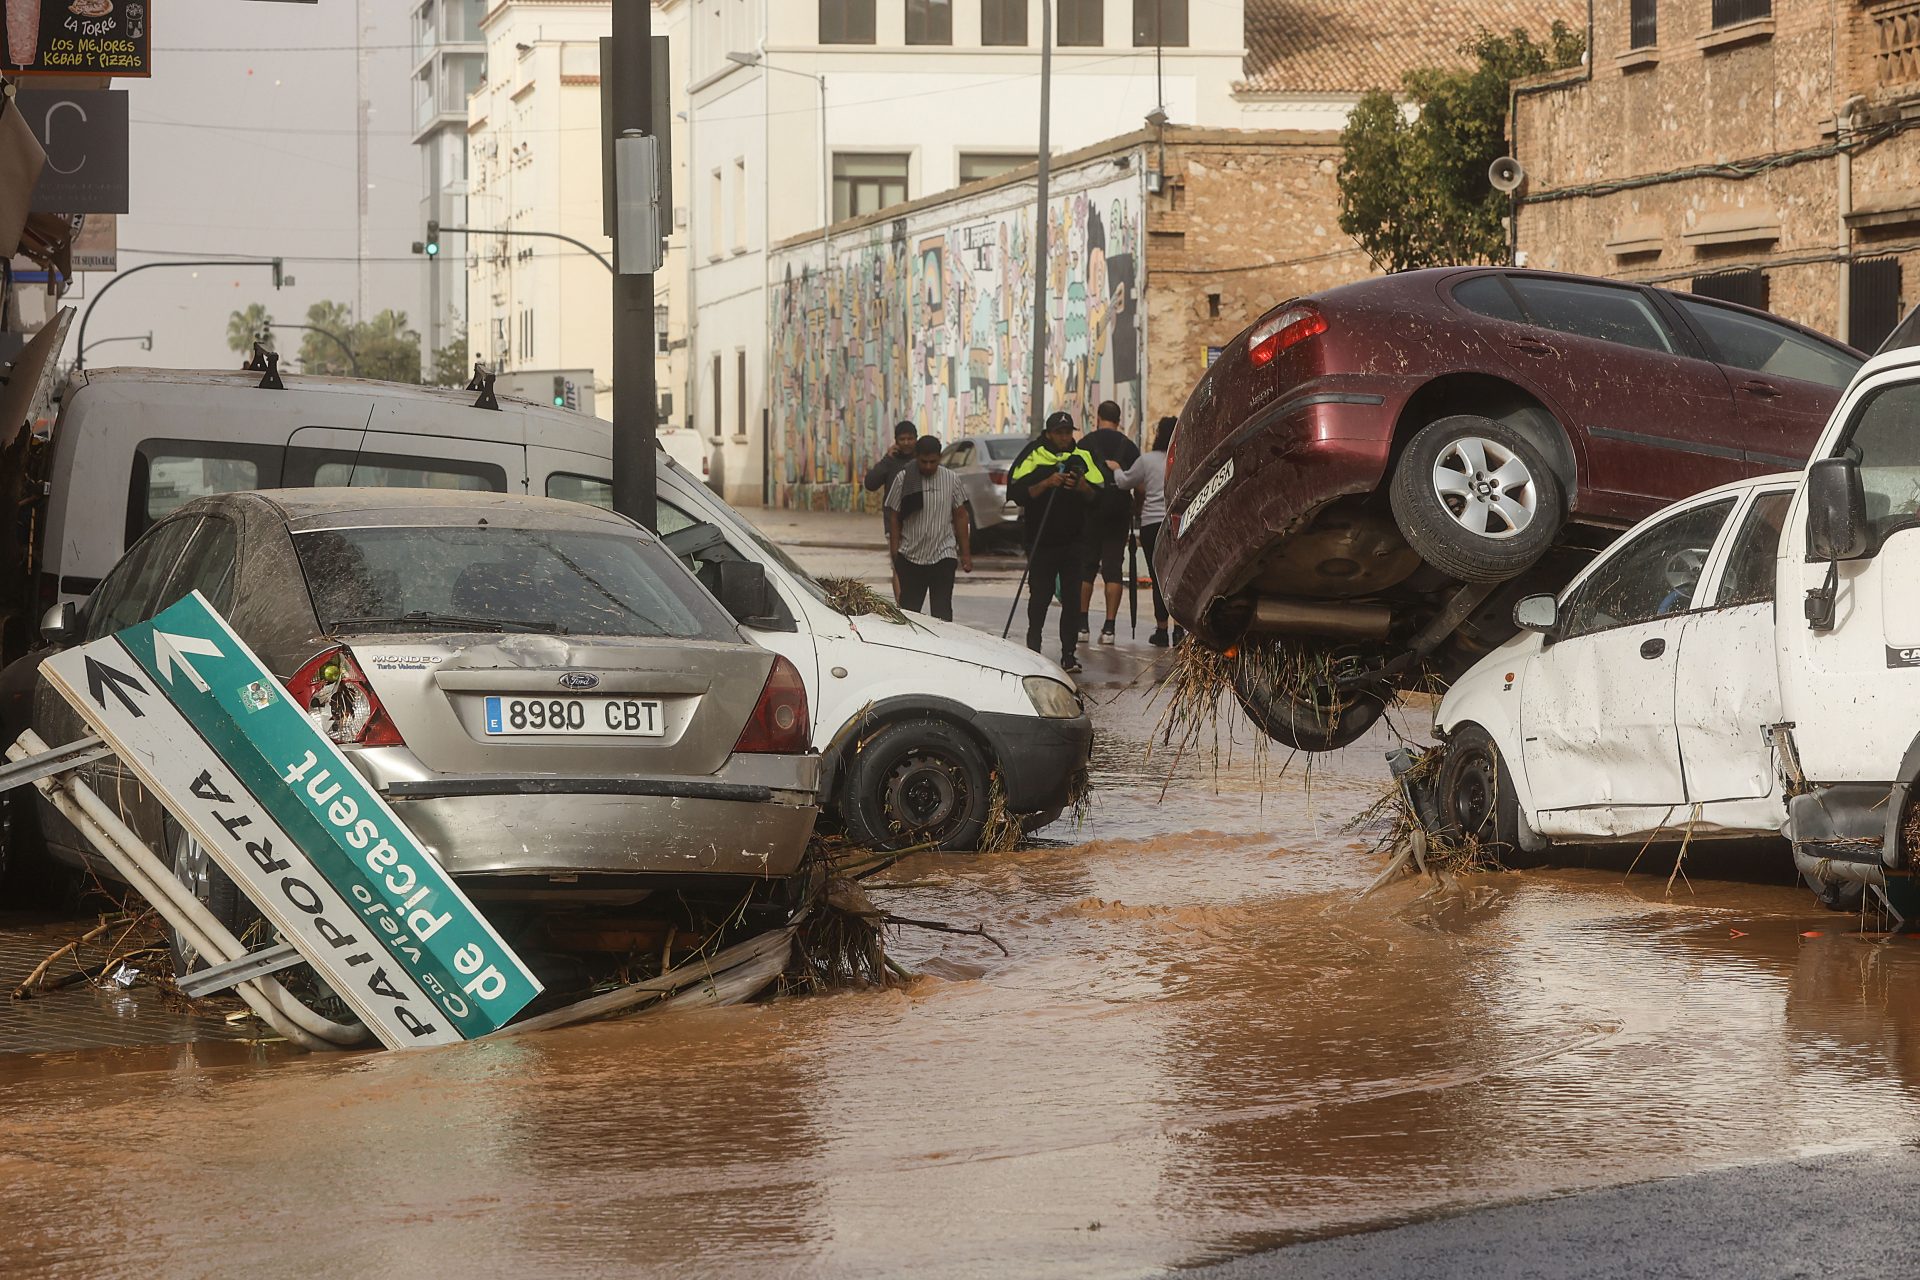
(21, 159)
(31, 376)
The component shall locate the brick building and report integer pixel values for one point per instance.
(1756, 150)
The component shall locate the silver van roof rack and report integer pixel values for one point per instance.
(266, 363)
(483, 383)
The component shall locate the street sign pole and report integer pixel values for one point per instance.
(636, 408)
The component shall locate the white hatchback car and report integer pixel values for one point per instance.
(1617, 712)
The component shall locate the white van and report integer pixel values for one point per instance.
(917, 723)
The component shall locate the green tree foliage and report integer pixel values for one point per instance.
(325, 343)
(244, 328)
(1414, 193)
(387, 348)
(451, 365)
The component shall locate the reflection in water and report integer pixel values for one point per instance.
(1202, 1042)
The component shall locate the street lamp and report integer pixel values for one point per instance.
(144, 339)
(754, 58)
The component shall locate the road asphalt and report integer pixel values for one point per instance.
(1845, 1215)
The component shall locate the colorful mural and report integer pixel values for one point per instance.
(930, 318)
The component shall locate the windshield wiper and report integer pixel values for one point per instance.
(420, 617)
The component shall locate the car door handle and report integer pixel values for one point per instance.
(1527, 346)
(1652, 648)
(1756, 387)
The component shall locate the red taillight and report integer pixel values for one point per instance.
(778, 725)
(1295, 324)
(998, 477)
(706, 465)
(335, 695)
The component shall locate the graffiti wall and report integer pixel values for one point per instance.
(930, 318)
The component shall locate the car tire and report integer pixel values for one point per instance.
(1476, 797)
(1307, 724)
(917, 783)
(1466, 471)
(195, 868)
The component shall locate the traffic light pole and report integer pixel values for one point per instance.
(434, 251)
(636, 405)
(80, 338)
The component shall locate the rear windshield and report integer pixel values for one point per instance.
(564, 581)
(1005, 450)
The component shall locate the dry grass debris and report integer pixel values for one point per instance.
(856, 599)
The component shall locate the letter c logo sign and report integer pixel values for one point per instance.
(46, 137)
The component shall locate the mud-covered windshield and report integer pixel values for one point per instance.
(490, 578)
(1885, 439)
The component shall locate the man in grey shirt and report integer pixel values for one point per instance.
(927, 534)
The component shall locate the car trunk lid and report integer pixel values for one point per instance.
(642, 706)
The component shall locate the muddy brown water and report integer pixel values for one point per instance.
(1202, 1043)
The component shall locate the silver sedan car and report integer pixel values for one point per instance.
(981, 463)
(549, 699)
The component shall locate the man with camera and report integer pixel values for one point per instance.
(1054, 483)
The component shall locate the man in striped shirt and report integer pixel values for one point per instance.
(927, 530)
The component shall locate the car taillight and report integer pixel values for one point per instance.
(998, 477)
(778, 724)
(336, 696)
(706, 465)
(1295, 324)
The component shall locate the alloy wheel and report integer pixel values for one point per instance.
(1485, 487)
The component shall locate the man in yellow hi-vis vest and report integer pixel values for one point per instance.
(1054, 482)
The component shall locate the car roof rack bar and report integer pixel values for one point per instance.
(483, 383)
(267, 364)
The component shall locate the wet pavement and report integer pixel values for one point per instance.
(1203, 1044)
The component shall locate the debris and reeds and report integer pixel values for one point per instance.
(857, 599)
(1408, 842)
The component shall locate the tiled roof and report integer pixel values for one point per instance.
(1349, 46)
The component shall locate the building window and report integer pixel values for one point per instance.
(1748, 288)
(716, 211)
(716, 396)
(660, 330)
(740, 204)
(929, 21)
(846, 21)
(740, 393)
(1728, 12)
(1159, 22)
(976, 165)
(863, 183)
(1080, 23)
(1003, 22)
(1873, 301)
(1643, 24)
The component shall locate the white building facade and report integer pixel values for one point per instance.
(534, 159)
(920, 96)
(449, 59)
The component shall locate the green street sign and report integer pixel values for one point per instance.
(396, 890)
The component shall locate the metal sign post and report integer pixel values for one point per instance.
(208, 729)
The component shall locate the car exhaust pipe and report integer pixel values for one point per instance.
(1286, 616)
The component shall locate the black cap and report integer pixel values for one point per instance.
(1059, 420)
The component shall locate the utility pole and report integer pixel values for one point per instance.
(636, 405)
(1038, 393)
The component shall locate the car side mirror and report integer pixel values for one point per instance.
(60, 625)
(1537, 613)
(745, 592)
(689, 542)
(1836, 511)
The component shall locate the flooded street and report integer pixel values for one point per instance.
(1202, 1044)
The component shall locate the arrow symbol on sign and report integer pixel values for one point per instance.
(102, 679)
(170, 651)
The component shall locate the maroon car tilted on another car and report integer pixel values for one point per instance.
(1372, 474)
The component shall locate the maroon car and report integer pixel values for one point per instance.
(1374, 473)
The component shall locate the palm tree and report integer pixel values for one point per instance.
(244, 328)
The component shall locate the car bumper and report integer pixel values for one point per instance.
(1284, 472)
(1039, 757)
(753, 818)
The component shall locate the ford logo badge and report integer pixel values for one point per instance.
(579, 680)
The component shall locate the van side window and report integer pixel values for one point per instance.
(329, 467)
(168, 474)
(571, 488)
(131, 592)
(1886, 440)
(1748, 577)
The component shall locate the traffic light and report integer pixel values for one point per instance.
(433, 239)
(278, 275)
(559, 391)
